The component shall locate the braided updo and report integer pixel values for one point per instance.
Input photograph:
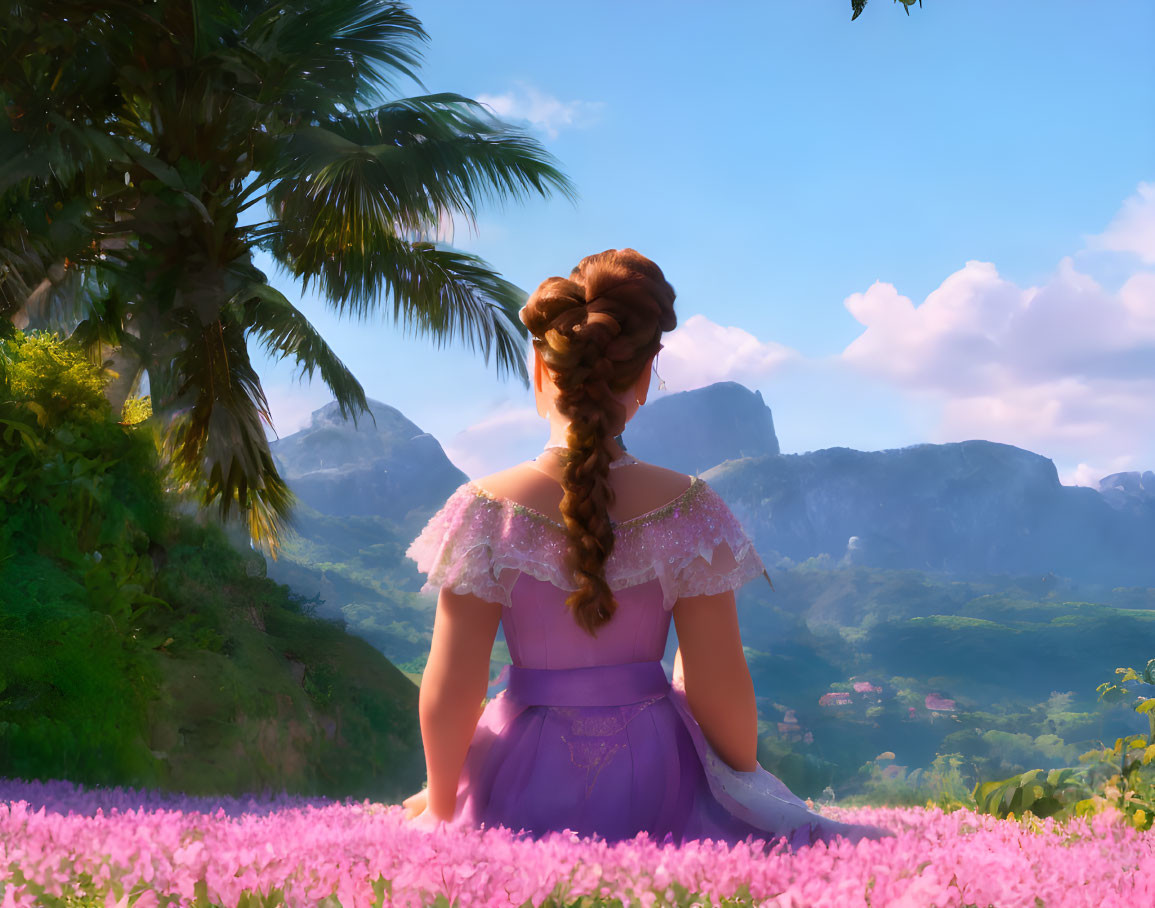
(596, 331)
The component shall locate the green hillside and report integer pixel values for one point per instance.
(138, 647)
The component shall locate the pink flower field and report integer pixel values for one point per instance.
(96, 848)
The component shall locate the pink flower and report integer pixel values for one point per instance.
(312, 853)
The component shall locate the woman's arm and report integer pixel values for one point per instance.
(719, 690)
(453, 685)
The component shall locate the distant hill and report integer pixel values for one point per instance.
(962, 571)
(971, 509)
(966, 509)
(693, 431)
(385, 466)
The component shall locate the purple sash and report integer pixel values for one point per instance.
(595, 685)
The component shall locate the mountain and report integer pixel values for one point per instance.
(692, 431)
(384, 466)
(1131, 491)
(365, 492)
(964, 508)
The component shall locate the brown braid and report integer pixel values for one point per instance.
(596, 331)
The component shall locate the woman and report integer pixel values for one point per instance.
(583, 555)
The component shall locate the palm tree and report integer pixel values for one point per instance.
(137, 135)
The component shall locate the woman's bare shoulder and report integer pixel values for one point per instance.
(662, 477)
(639, 488)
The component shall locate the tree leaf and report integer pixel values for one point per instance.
(269, 315)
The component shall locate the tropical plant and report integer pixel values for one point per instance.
(138, 136)
(1121, 777)
(112, 603)
(81, 499)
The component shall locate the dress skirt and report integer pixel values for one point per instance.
(612, 751)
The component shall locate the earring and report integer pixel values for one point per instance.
(661, 381)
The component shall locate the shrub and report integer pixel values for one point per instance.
(1121, 776)
(82, 500)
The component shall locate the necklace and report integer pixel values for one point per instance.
(624, 461)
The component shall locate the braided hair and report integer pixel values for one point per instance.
(595, 331)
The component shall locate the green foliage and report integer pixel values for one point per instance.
(857, 6)
(136, 410)
(943, 785)
(1121, 776)
(799, 770)
(81, 499)
(140, 648)
(53, 380)
(1016, 653)
(1042, 792)
(1022, 748)
(359, 563)
(78, 482)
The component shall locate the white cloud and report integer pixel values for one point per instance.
(542, 111)
(697, 353)
(700, 352)
(506, 436)
(1133, 228)
(946, 343)
(1067, 369)
(1087, 475)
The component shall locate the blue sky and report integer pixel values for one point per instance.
(899, 229)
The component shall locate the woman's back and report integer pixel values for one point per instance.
(590, 735)
(713, 663)
(518, 513)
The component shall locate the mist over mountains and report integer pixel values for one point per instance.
(966, 509)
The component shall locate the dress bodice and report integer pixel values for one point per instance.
(502, 551)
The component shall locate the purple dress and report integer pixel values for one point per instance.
(590, 735)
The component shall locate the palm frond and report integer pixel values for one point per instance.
(439, 292)
(215, 439)
(39, 286)
(139, 131)
(416, 158)
(857, 6)
(374, 185)
(64, 152)
(345, 49)
(269, 315)
(105, 325)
